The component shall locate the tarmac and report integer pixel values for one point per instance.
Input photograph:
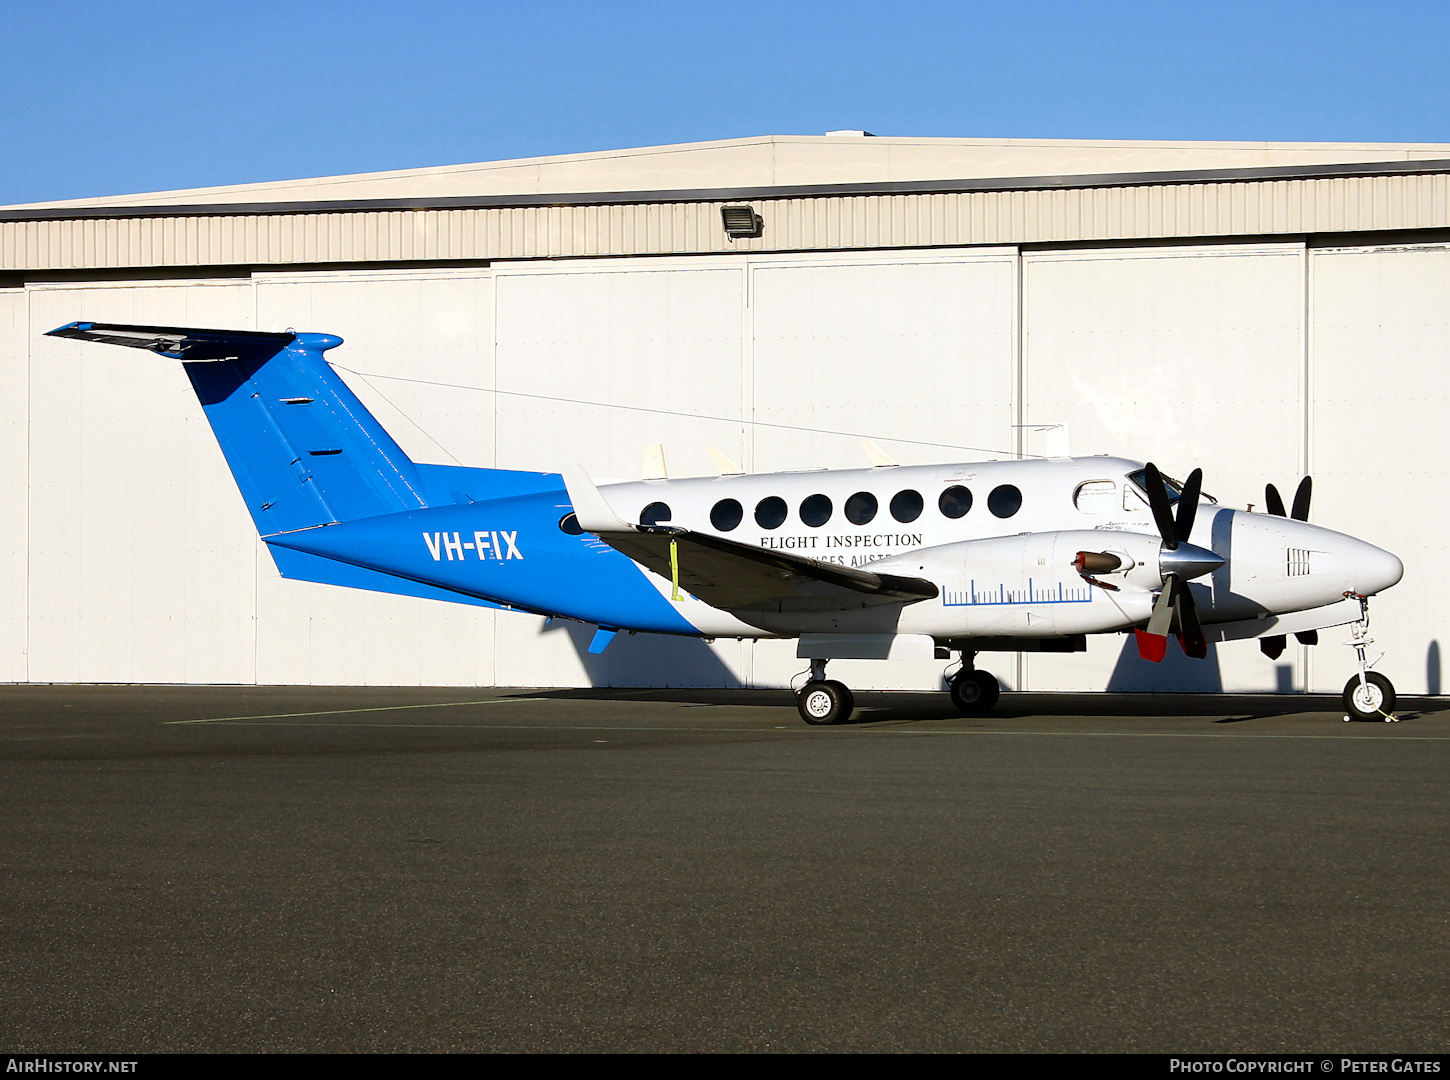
(404, 869)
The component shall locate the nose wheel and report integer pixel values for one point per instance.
(1370, 698)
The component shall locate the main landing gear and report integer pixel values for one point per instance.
(973, 691)
(1368, 695)
(826, 701)
(822, 700)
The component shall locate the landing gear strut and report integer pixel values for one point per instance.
(1368, 695)
(973, 692)
(822, 700)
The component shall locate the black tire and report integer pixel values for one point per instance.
(849, 704)
(826, 702)
(975, 692)
(1374, 701)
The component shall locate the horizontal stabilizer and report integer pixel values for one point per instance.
(177, 342)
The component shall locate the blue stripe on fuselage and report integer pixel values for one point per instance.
(507, 550)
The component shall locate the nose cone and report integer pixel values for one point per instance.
(1375, 569)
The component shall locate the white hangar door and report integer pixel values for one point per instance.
(142, 559)
(1187, 357)
(916, 351)
(781, 362)
(1379, 349)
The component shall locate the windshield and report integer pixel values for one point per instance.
(1173, 487)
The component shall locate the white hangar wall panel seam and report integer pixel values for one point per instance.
(1054, 215)
(135, 561)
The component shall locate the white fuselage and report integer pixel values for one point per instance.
(999, 539)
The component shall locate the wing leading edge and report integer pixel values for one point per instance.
(733, 576)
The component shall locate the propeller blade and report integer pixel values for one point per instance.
(1151, 647)
(1307, 637)
(1153, 642)
(1190, 633)
(1188, 506)
(1273, 646)
(1273, 503)
(1300, 512)
(1158, 500)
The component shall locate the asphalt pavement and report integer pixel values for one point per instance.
(321, 868)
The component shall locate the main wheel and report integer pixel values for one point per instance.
(827, 702)
(1372, 700)
(975, 692)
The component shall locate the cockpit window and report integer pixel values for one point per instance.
(1173, 487)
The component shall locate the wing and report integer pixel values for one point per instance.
(738, 577)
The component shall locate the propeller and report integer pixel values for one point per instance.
(1275, 504)
(1174, 611)
(1273, 646)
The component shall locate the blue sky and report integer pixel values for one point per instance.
(106, 98)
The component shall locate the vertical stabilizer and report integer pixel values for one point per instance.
(303, 449)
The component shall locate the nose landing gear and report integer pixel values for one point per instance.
(1368, 695)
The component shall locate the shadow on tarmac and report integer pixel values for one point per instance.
(896, 706)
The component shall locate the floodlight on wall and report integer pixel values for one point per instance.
(741, 222)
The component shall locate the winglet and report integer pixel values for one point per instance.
(590, 509)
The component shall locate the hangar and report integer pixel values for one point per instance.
(1258, 310)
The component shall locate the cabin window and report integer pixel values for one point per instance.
(770, 512)
(955, 501)
(570, 524)
(1005, 500)
(816, 510)
(655, 513)
(726, 514)
(861, 508)
(906, 505)
(1096, 497)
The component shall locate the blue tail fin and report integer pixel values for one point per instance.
(303, 449)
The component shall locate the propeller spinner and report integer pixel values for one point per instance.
(1179, 562)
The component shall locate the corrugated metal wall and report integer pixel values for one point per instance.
(1227, 208)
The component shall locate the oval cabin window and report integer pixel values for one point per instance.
(770, 512)
(861, 508)
(816, 510)
(1096, 497)
(906, 505)
(955, 501)
(1005, 500)
(726, 514)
